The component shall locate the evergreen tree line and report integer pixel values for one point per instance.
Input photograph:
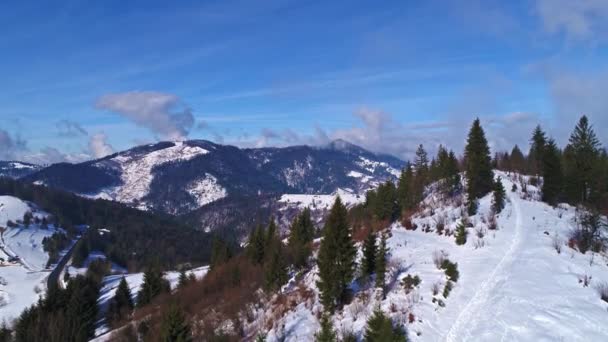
(576, 174)
(62, 315)
(136, 239)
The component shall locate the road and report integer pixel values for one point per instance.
(53, 279)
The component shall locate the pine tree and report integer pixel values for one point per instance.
(581, 156)
(257, 245)
(220, 252)
(122, 303)
(421, 169)
(174, 327)
(154, 284)
(183, 279)
(327, 332)
(537, 150)
(517, 160)
(275, 268)
(380, 329)
(300, 238)
(480, 178)
(369, 254)
(381, 263)
(384, 205)
(461, 234)
(405, 188)
(552, 173)
(498, 202)
(336, 259)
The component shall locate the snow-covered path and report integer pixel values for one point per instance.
(477, 308)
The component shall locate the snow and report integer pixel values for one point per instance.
(321, 201)
(206, 190)
(513, 284)
(136, 172)
(22, 281)
(364, 178)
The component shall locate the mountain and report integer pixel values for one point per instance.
(16, 169)
(181, 177)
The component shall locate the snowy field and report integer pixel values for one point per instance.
(321, 202)
(513, 284)
(23, 281)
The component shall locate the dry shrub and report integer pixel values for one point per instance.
(406, 219)
(585, 280)
(440, 224)
(556, 243)
(435, 288)
(492, 224)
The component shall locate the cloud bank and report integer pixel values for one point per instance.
(162, 113)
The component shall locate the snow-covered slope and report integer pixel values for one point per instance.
(15, 169)
(23, 261)
(513, 284)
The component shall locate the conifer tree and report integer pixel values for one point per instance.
(581, 156)
(380, 329)
(537, 149)
(183, 279)
(552, 173)
(220, 251)
(275, 267)
(381, 263)
(405, 188)
(421, 168)
(461, 234)
(257, 245)
(480, 178)
(327, 332)
(154, 284)
(517, 160)
(385, 204)
(498, 202)
(174, 327)
(369, 254)
(122, 303)
(300, 238)
(336, 259)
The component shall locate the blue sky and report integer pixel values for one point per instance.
(80, 79)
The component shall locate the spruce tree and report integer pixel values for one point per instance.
(275, 267)
(538, 143)
(154, 284)
(552, 173)
(421, 169)
(480, 178)
(581, 156)
(405, 188)
(174, 327)
(461, 234)
(183, 279)
(498, 202)
(517, 160)
(220, 252)
(122, 303)
(300, 239)
(257, 245)
(336, 258)
(381, 256)
(380, 329)
(327, 332)
(369, 254)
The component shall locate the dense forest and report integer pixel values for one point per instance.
(129, 237)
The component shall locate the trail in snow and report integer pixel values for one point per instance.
(460, 330)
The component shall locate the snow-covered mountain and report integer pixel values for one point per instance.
(16, 169)
(519, 279)
(180, 177)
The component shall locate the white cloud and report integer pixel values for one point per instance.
(70, 129)
(576, 19)
(99, 146)
(162, 113)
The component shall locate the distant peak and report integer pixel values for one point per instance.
(343, 145)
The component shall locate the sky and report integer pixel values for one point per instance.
(82, 79)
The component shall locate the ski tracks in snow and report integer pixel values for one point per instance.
(460, 330)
